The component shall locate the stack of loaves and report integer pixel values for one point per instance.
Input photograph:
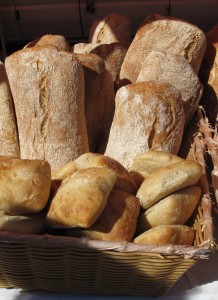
(82, 118)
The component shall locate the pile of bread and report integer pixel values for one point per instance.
(90, 133)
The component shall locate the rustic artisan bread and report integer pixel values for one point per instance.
(113, 55)
(64, 171)
(56, 40)
(9, 145)
(148, 115)
(48, 91)
(27, 223)
(99, 98)
(25, 185)
(175, 69)
(174, 209)
(209, 75)
(167, 234)
(124, 181)
(151, 160)
(117, 222)
(81, 198)
(168, 180)
(112, 28)
(165, 34)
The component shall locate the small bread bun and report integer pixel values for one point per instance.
(167, 234)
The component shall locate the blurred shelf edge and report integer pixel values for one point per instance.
(24, 20)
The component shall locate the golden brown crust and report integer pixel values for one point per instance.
(56, 40)
(167, 234)
(117, 222)
(81, 198)
(25, 185)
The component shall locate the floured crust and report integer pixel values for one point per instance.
(148, 115)
(176, 70)
(48, 91)
(56, 40)
(9, 144)
(163, 33)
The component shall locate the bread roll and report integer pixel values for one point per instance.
(48, 90)
(176, 208)
(80, 199)
(56, 40)
(113, 55)
(29, 223)
(25, 185)
(112, 28)
(124, 181)
(176, 70)
(148, 115)
(64, 171)
(168, 180)
(165, 34)
(117, 222)
(9, 145)
(167, 234)
(99, 98)
(151, 160)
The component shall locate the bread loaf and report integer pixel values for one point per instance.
(99, 98)
(112, 28)
(167, 234)
(56, 40)
(168, 180)
(148, 115)
(175, 69)
(117, 222)
(113, 55)
(165, 34)
(209, 75)
(124, 182)
(9, 145)
(175, 209)
(48, 91)
(25, 185)
(81, 198)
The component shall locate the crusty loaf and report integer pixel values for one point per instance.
(113, 55)
(117, 222)
(56, 40)
(24, 185)
(81, 198)
(148, 115)
(176, 70)
(167, 180)
(9, 145)
(209, 75)
(99, 98)
(174, 209)
(167, 34)
(110, 29)
(167, 234)
(48, 91)
(124, 181)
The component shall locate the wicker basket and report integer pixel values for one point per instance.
(82, 266)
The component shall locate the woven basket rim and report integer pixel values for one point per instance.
(46, 240)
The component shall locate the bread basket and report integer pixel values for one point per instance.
(82, 266)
